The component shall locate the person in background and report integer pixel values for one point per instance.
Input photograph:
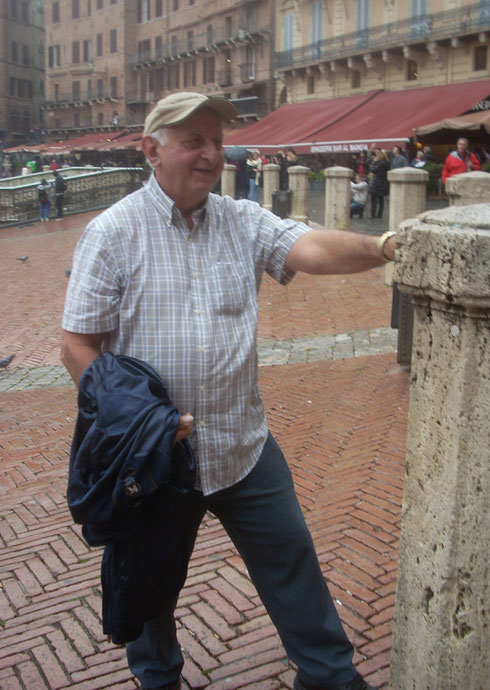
(54, 165)
(59, 193)
(378, 182)
(419, 160)
(359, 196)
(428, 155)
(398, 160)
(44, 201)
(254, 168)
(25, 170)
(361, 164)
(460, 161)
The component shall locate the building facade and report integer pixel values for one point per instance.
(334, 48)
(109, 61)
(21, 70)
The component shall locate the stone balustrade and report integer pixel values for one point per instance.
(88, 189)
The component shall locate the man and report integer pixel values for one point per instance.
(460, 161)
(170, 275)
(398, 160)
(59, 193)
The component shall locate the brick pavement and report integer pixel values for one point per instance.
(341, 423)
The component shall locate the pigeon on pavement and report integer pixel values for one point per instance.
(22, 258)
(6, 361)
(67, 272)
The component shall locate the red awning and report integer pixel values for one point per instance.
(293, 122)
(381, 117)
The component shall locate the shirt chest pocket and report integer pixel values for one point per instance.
(230, 289)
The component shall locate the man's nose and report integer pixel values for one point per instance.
(211, 150)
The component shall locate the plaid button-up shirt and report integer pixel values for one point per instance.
(185, 301)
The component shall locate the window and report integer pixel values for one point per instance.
(75, 90)
(14, 51)
(158, 8)
(100, 88)
(176, 5)
(144, 50)
(13, 8)
(75, 9)
(419, 24)
(143, 11)
(100, 119)
(412, 70)
(173, 45)
(363, 19)
(310, 85)
(191, 2)
(75, 52)
(57, 122)
(56, 12)
(25, 55)
(250, 57)
(89, 89)
(113, 40)
(173, 76)
(208, 70)
(189, 73)
(316, 22)
(143, 81)
(86, 51)
(159, 81)
(113, 87)
(99, 47)
(89, 8)
(287, 31)
(209, 34)
(12, 84)
(100, 4)
(158, 46)
(480, 58)
(76, 119)
(190, 40)
(56, 93)
(355, 79)
(228, 27)
(54, 56)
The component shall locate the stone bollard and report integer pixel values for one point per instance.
(408, 189)
(442, 607)
(468, 188)
(337, 197)
(298, 183)
(228, 180)
(271, 183)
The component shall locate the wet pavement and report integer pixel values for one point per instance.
(336, 400)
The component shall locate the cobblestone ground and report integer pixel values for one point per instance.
(337, 402)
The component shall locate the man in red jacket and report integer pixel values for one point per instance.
(460, 161)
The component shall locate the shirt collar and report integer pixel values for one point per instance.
(166, 206)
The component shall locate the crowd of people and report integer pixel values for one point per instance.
(371, 170)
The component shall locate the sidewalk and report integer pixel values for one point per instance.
(335, 399)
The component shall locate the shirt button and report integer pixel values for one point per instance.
(194, 275)
(201, 423)
(198, 312)
(201, 388)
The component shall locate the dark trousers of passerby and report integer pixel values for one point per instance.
(263, 518)
(377, 205)
(59, 205)
(44, 207)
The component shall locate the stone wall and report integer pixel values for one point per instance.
(88, 189)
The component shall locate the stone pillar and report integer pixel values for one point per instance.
(298, 184)
(228, 180)
(468, 188)
(337, 197)
(271, 183)
(408, 189)
(442, 607)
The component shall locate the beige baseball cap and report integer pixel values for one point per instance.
(179, 106)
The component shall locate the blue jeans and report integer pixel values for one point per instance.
(262, 516)
(44, 209)
(253, 190)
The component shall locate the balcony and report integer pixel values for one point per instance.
(442, 26)
(250, 106)
(70, 100)
(201, 43)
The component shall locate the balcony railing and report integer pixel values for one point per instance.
(462, 21)
(200, 42)
(81, 99)
(250, 106)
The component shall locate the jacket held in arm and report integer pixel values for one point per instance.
(129, 486)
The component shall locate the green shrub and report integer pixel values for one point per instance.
(316, 176)
(435, 171)
(485, 167)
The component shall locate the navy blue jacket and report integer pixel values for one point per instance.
(130, 486)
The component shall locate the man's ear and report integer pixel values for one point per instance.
(149, 146)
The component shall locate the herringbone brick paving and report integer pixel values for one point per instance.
(340, 423)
